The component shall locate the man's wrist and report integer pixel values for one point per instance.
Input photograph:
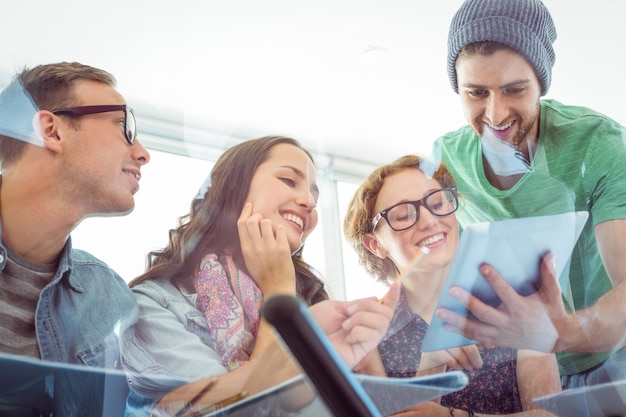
(560, 327)
(567, 328)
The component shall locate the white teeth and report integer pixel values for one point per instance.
(293, 218)
(431, 240)
(501, 127)
(134, 175)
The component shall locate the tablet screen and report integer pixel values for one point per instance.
(515, 248)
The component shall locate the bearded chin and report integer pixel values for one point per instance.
(526, 127)
(530, 124)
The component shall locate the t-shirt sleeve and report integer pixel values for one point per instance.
(606, 179)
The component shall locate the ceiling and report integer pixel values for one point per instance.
(361, 79)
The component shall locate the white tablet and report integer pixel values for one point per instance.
(515, 248)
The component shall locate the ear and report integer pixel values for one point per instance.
(51, 130)
(373, 245)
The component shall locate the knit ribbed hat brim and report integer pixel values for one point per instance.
(523, 25)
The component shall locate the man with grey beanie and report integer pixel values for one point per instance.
(522, 155)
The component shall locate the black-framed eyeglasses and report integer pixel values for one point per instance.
(403, 215)
(130, 125)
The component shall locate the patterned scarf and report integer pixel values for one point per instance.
(231, 303)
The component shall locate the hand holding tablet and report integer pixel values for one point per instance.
(514, 248)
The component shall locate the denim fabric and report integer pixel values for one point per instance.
(80, 316)
(170, 343)
(138, 406)
(82, 312)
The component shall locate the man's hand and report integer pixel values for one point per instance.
(519, 322)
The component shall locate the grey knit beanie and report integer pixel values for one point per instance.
(524, 25)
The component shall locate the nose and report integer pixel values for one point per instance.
(139, 153)
(307, 199)
(426, 219)
(496, 109)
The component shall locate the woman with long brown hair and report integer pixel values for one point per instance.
(201, 296)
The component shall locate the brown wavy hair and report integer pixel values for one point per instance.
(358, 220)
(211, 224)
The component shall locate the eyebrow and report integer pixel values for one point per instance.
(314, 188)
(508, 85)
(406, 200)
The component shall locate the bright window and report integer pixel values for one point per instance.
(358, 283)
(168, 184)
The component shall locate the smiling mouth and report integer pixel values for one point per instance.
(294, 219)
(135, 175)
(501, 132)
(431, 240)
(500, 128)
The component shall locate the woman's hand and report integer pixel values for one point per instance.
(371, 364)
(266, 253)
(460, 358)
(356, 327)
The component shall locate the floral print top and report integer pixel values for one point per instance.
(491, 389)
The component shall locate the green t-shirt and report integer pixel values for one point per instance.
(579, 164)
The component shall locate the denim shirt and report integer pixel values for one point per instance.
(79, 319)
(82, 312)
(170, 344)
